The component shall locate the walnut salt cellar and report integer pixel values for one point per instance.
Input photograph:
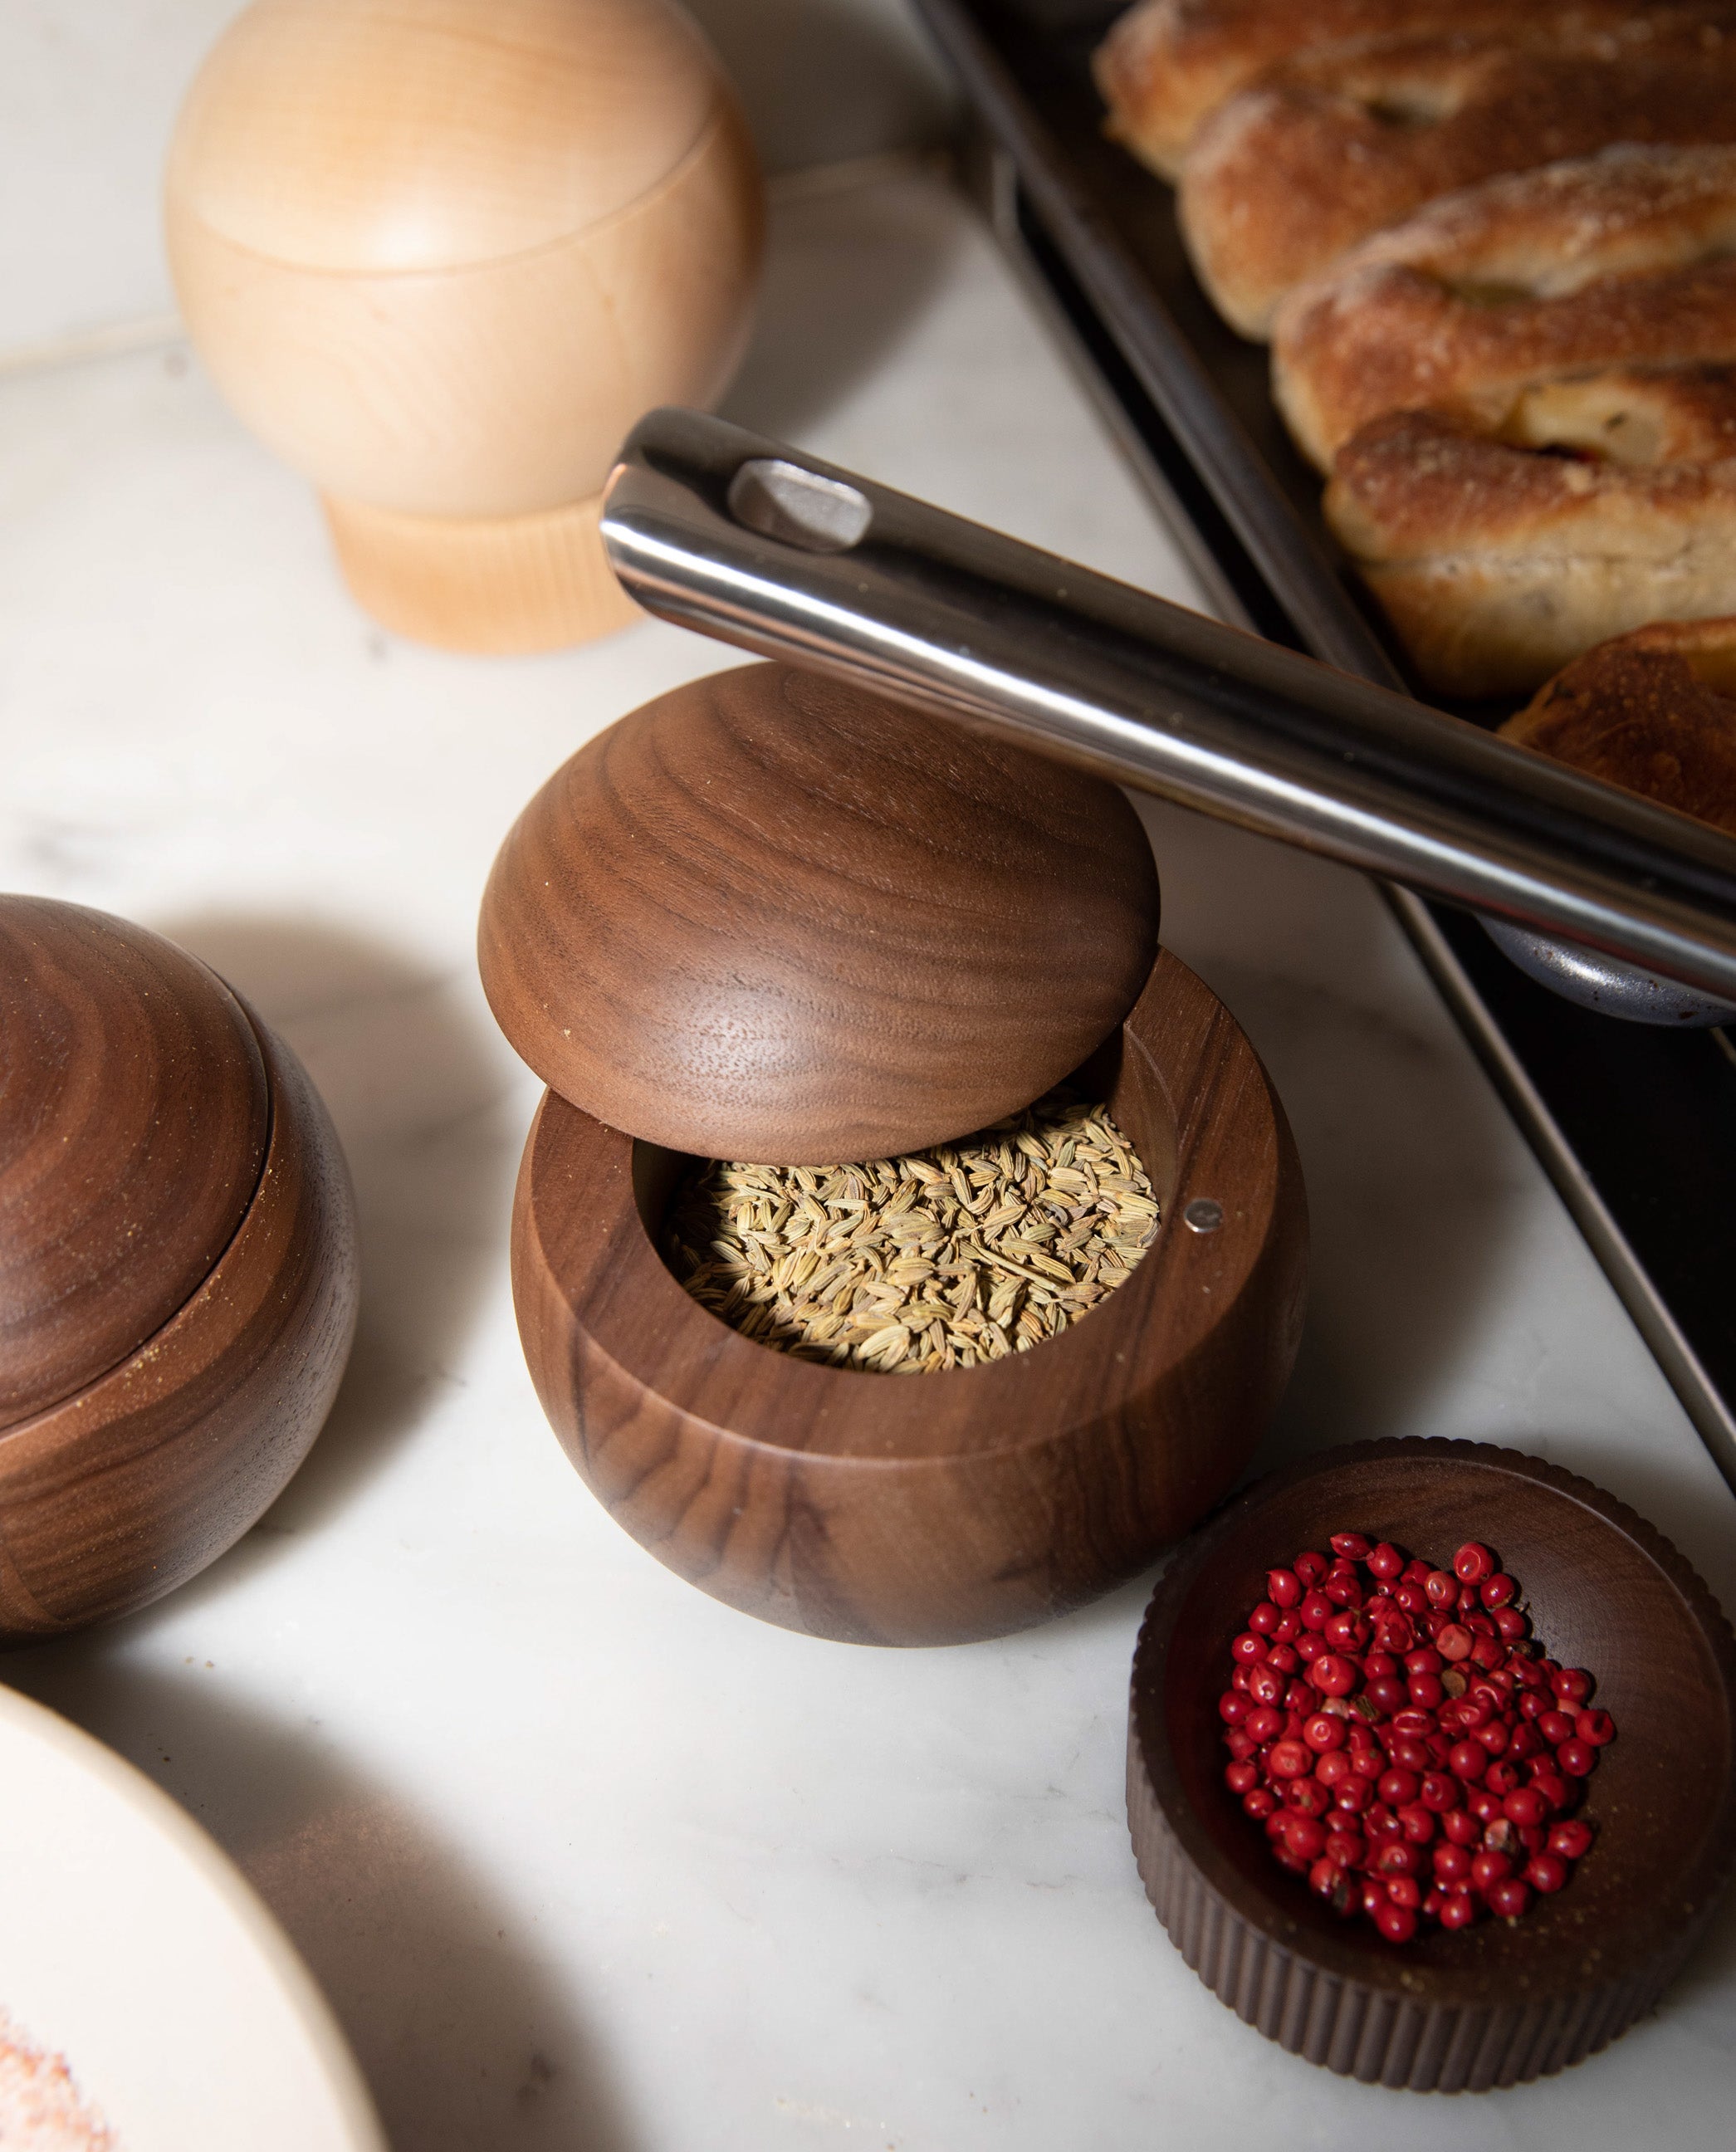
(770, 924)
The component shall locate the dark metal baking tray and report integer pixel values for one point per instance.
(1636, 1126)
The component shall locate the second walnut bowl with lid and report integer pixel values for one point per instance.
(178, 1284)
(771, 918)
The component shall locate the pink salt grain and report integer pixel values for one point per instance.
(40, 2107)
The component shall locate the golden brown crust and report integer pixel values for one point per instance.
(1610, 503)
(1629, 256)
(1167, 65)
(1332, 147)
(1654, 712)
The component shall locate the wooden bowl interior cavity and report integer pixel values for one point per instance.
(1125, 1083)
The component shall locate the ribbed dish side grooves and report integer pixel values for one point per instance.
(1355, 2029)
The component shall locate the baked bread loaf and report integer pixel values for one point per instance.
(1331, 147)
(1166, 65)
(1654, 712)
(1603, 503)
(1626, 257)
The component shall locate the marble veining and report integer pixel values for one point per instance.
(582, 1859)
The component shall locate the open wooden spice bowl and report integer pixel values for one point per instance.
(1501, 2003)
(178, 1283)
(773, 920)
(940, 1507)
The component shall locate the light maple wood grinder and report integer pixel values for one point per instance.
(177, 1279)
(439, 254)
(773, 917)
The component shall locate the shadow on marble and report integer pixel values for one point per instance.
(848, 271)
(1415, 1185)
(466, 2038)
(1410, 1200)
(415, 1082)
(822, 80)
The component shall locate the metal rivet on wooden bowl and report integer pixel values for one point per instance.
(1204, 1214)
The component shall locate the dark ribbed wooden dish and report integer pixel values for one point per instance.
(935, 1507)
(177, 1266)
(1499, 2003)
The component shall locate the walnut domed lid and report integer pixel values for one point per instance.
(134, 1118)
(769, 916)
(393, 136)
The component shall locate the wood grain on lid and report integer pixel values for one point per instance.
(396, 135)
(771, 917)
(134, 1119)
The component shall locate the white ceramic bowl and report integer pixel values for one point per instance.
(132, 1948)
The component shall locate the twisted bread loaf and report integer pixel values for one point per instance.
(1627, 256)
(1654, 712)
(1603, 503)
(1166, 65)
(1331, 147)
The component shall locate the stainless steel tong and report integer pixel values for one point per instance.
(765, 547)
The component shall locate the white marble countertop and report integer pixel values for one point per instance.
(582, 1859)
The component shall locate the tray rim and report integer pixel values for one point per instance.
(1023, 158)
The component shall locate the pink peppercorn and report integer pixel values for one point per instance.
(1489, 1869)
(1452, 1863)
(1468, 1759)
(1524, 1805)
(1397, 1923)
(1511, 1900)
(1402, 1746)
(1334, 1675)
